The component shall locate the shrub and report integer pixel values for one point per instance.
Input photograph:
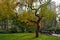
(3, 31)
(13, 30)
(57, 31)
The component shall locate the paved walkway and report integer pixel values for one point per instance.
(58, 35)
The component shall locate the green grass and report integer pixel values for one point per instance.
(26, 36)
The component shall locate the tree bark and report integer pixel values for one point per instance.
(37, 27)
(37, 30)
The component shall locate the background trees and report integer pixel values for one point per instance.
(32, 17)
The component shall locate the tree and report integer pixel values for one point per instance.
(6, 13)
(30, 19)
(29, 4)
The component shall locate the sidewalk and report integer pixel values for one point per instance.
(58, 35)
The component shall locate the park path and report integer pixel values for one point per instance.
(58, 35)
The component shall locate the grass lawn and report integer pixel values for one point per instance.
(26, 36)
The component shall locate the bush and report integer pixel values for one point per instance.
(13, 30)
(3, 31)
(30, 30)
(57, 31)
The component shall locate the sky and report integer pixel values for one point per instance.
(57, 1)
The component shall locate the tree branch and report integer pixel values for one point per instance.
(32, 21)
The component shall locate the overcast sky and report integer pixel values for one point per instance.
(57, 1)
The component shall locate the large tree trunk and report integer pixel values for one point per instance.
(37, 30)
(37, 27)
